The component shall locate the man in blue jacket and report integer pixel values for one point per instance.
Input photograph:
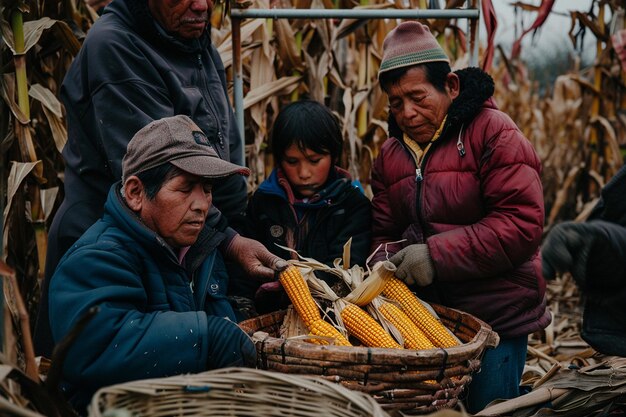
(155, 268)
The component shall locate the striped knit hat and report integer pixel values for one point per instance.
(410, 43)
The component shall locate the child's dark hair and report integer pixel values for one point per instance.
(310, 125)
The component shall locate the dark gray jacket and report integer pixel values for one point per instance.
(604, 315)
(128, 73)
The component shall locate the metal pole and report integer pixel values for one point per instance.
(473, 28)
(238, 84)
(355, 13)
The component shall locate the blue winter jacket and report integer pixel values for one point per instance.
(157, 317)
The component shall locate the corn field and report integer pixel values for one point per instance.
(577, 128)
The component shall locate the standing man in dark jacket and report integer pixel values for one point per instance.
(141, 61)
(155, 268)
(458, 202)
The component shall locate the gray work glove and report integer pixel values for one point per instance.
(415, 265)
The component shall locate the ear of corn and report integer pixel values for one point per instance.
(298, 291)
(363, 326)
(323, 328)
(423, 319)
(413, 337)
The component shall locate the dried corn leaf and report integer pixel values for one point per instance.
(57, 127)
(19, 172)
(364, 292)
(539, 396)
(374, 310)
(318, 69)
(48, 197)
(346, 253)
(281, 86)
(32, 32)
(225, 46)
(292, 325)
(7, 89)
(613, 152)
(46, 98)
(289, 52)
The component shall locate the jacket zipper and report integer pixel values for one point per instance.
(318, 221)
(204, 284)
(174, 260)
(212, 106)
(419, 177)
(459, 143)
(418, 185)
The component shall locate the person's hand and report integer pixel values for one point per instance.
(587, 250)
(97, 4)
(562, 246)
(415, 265)
(254, 258)
(228, 345)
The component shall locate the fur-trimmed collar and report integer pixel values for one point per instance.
(476, 87)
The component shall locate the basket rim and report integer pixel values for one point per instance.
(485, 337)
(185, 391)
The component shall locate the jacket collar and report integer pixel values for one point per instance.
(477, 87)
(277, 184)
(126, 220)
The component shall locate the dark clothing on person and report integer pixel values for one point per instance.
(128, 73)
(317, 228)
(478, 205)
(158, 316)
(595, 253)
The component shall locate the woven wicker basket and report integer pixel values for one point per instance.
(233, 392)
(415, 381)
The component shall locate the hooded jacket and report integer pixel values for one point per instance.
(156, 317)
(318, 228)
(478, 205)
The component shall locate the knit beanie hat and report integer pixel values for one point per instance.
(408, 44)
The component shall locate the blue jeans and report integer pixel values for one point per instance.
(499, 375)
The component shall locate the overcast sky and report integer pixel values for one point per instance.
(553, 33)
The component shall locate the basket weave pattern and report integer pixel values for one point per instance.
(415, 381)
(233, 392)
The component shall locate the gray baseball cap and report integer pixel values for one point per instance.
(179, 141)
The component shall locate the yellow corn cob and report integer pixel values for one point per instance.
(423, 319)
(298, 291)
(363, 326)
(323, 328)
(414, 338)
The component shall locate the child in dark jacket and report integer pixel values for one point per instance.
(308, 203)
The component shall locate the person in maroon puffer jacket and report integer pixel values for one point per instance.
(458, 202)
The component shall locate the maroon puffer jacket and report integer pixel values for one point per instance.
(479, 208)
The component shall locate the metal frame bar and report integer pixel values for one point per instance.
(472, 14)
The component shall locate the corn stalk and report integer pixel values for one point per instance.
(33, 133)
